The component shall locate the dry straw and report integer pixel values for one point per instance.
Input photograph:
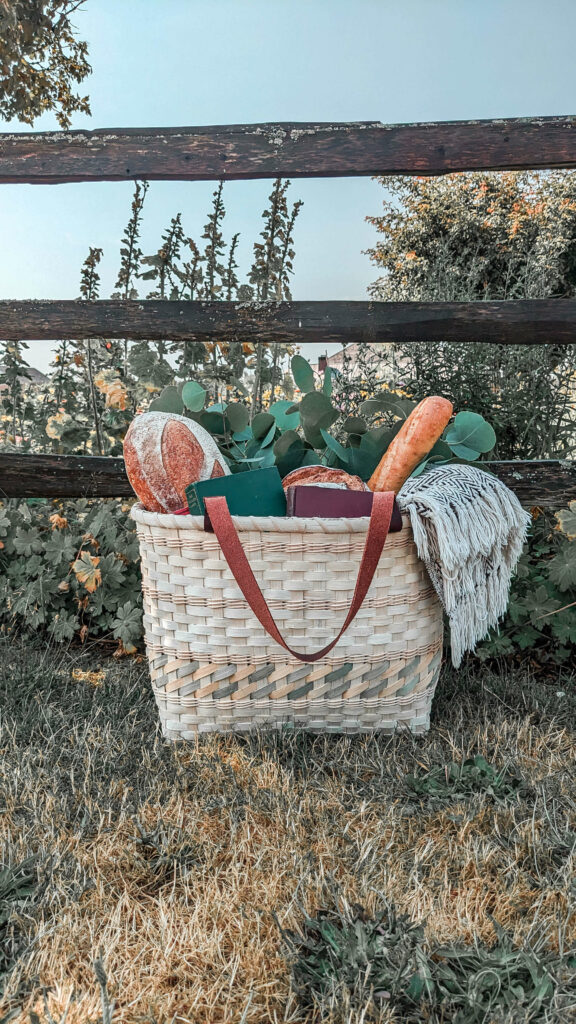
(213, 666)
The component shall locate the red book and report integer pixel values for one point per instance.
(333, 503)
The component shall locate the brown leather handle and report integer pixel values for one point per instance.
(217, 509)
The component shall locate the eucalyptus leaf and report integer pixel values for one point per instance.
(286, 414)
(261, 424)
(462, 451)
(335, 446)
(268, 436)
(368, 444)
(355, 425)
(310, 459)
(303, 374)
(316, 413)
(361, 463)
(193, 396)
(243, 435)
(168, 401)
(238, 416)
(214, 422)
(269, 459)
(327, 382)
(382, 436)
(470, 431)
(285, 441)
(436, 460)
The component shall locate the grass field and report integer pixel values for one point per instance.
(144, 882)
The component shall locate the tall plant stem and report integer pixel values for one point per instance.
(256, 385)
(93, 396)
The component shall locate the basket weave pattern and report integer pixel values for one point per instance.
(214, 667)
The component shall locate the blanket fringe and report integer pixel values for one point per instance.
(469, 530)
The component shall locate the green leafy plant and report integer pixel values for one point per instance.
(347, 963)
(469, 237)
(455, 781)
(18, 883)
(71, 571)
(294, 434)
(541, 619)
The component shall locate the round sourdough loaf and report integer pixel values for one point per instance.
(323, 476)
(163, 453)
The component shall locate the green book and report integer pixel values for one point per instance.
(258, 492)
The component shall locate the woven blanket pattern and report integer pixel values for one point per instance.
(469, 529)
(214, 667)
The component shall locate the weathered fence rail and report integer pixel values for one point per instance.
(224, 152)
(294, 150)
(546, 484)
(526, 322)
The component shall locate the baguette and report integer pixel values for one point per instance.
(424, 426)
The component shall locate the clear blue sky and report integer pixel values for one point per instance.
(194, 62)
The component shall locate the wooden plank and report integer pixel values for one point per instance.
(549, 484)
(62, 476)
(526, 322)
(287, 149)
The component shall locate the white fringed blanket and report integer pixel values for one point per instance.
(469, 530)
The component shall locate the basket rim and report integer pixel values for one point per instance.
(276, 524)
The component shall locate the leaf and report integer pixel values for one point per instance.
(567, 520)
(438, 455)
(303, 374)
(562, 568)
(127, 625)
(462, 451)
(286, 441)
(243, 435)
(238, 416)
(361, 463)
(214, 422)
(168, 401)
(316, 413)
(286, 420)
(261, 424)
(563, 626)
(390, 403)
(327, 382)
(355, 425)
(269, 436)
(87, 572)
(539, 603)
(310, 458)
(470, 433)
(193, 396)
(335, 446)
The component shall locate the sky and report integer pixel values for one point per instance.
(202, 62)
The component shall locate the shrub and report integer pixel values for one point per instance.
(71, 568)
(476, 237)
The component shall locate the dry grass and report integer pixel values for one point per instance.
(174, 860)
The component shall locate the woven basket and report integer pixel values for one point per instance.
(214, 667)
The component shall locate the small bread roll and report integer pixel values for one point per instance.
(323, 476)
(163, 453)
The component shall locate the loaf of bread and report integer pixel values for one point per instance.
(163, 453)
(325, 477)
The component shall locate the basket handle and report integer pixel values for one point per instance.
(217, 509)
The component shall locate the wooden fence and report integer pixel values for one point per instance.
(228, 152)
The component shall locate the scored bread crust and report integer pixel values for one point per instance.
(323, 475)
(163, 453)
